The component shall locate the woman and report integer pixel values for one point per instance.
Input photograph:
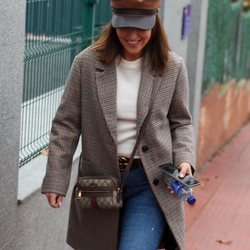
(105, 101)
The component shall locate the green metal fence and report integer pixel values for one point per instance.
(227, 43)
(56, 30)
(103, 15)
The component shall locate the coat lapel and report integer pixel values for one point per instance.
(145, 91)
(106, 82)
(107, 89)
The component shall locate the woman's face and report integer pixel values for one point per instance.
(133, 41)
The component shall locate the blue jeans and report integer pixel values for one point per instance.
(142, 222)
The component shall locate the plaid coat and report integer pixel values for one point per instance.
(88, 108)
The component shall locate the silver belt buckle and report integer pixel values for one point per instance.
(123, 163)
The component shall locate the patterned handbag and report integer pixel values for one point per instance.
(98, 192)
(105, 192)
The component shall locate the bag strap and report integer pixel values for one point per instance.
(143, 127)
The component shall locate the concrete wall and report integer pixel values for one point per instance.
(12, 24)
(195, 56)
(192, 48)
(224, 107)
(224, 110)
(172, 19)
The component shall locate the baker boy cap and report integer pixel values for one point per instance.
(134, 13)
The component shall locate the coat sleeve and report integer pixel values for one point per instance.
(183, 140)
(64, 136)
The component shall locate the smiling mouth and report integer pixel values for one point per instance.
(133, 43)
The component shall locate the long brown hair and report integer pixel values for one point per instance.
(109, 47)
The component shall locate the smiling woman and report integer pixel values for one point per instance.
(109, 95)
(133, 41)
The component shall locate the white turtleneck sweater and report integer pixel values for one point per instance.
(128, 81)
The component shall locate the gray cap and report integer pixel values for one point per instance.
(140, 22)
(137, 18)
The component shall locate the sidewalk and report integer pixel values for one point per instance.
(221, 217)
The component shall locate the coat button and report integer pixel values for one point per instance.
(156, 182)
(144, 149)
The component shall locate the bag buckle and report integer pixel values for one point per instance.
(78, 193)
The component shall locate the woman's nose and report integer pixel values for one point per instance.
(131, 32)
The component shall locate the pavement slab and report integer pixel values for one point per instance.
(221, 217)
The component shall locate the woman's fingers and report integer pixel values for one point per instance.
(59, 200)
(55, 200)
(185, 169)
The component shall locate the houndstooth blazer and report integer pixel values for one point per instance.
(88, 108)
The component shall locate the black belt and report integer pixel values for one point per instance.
(123, 163)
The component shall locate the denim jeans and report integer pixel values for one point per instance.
(142, 222)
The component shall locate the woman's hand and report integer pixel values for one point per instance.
(55, 200)
(185, 169)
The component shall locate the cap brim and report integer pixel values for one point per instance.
(140, 22)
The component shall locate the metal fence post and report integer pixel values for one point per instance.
(88, 21)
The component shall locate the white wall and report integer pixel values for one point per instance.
(12, 25)
(192, 48)
(172, 19)
(195, 56)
